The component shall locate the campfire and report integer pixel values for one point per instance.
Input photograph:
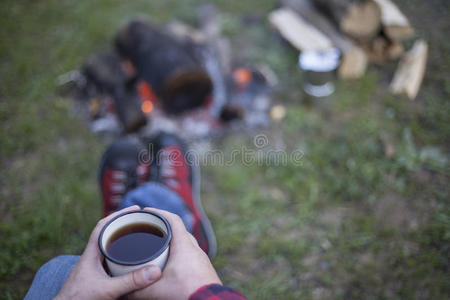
(172, 77)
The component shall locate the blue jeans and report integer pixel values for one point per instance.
(50, 278)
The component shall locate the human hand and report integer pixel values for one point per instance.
(188, 268)
(89, 280)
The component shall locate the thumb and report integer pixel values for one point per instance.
(135, 280)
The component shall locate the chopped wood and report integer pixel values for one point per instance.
(395, 50)
(410, 71)
(379, 45)
(376, 50)
(353, 64)
(298, 32)
(354, 60)
(382, 48)
(395, 24)
(359, 19)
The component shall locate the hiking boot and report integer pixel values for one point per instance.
(120, 171)
(174, 171)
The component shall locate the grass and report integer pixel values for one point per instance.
(348, 222)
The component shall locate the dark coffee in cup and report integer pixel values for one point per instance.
(136, 242)
(135, 239)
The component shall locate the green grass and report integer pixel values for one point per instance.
(348, 222)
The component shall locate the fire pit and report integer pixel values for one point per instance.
(170, 78)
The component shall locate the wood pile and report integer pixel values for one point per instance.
(365, 31)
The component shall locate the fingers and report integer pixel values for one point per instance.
(194, 240)
(179, 232)
(176, 224)
(92, 247)
(105, 220)
(133, 281)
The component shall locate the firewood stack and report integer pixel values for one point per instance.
(365, 31)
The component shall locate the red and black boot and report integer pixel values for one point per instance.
(174, 171)
(120, 171)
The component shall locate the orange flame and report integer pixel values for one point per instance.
(242, 77)
(147, 106)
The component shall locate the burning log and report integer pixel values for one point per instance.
(104, 74)
(359, 19)
(170, 66)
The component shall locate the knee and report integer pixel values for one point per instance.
(62, 262)
(51, 276)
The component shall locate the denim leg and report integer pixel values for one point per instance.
(158, 196)
(50, 278)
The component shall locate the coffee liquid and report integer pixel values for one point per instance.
(136, 242)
